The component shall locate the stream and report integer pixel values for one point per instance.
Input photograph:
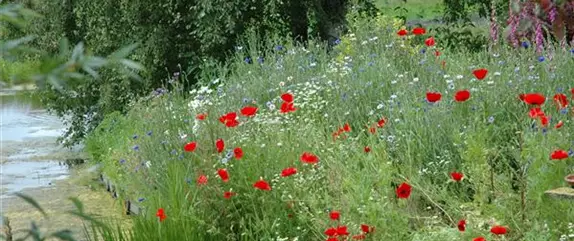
(32, 163)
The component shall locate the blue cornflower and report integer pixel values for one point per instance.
(564, 111)
(525, 44)
(278, 47)
(337, 41)
(149, 133)
(141, 199)
(571, 152)
(541, 59)
(572, 51)
(260, 60)
(174, 152)
(423, 50)
(135, 137)
(136, 148)
(122, 161)
(491, 119)
(248, 60)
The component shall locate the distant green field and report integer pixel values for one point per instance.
(415, 9)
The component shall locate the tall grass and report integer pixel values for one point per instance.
(371, 75)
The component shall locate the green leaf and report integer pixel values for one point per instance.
(32, 202)
(63, 235)
(123, 52)
(131, 64)
(78, 204)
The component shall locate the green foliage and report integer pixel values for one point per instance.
(371, 74)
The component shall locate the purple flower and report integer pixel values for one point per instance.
(541, 59)
(136, 148)
(122, 161)
(278, 47)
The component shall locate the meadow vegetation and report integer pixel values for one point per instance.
(403, 140)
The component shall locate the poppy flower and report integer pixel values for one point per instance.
(287, 97)
(372, 130)
(288, 171)
(223, 174)
(238, 153)
(228, 195)
(535, 112)
(334, 215)
(367, 149)
(433, 97)
(229, 119)
(249, 111)
(479, 239)
(559, 155)
(202, 180)
(561, 100)
(287, 107)
(347, 127)
(309, 158)
(402, 32)
(359, 237)
(461, 225)
(437, 53)
(480, 74)
(381, 122)
(367, 229)
(456, 176)
(190, 147)
(498, 230)
(544, 120)
(201, 116)
(262, 185)
(160, 214)
(462, 95)
(342, 231)
(533, 98)
(419, 31)
(331, 232)
(559, 124)
(220, 145)
(430, 41)
(404, 190)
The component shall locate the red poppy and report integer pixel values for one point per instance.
(561, 100)
(461, 225)
(160, 214)
(430, 41)
(262, 185)
(462, 95)
(372, 130)
(309, 158)
(201, 116)
(433, 97)
(498, 230)
(479, 239)
(238, 153)
(249, 111)
(334, 215)
(533, 98)
(559, 124)
(287, 97)
(456, 176)
(228, 195)
(359, 237)
(480, 73)
(572, 91)
(381, 122)
(419, 31)
(535, 112)
(202, 180)
(229, 119)
(437, 53)
(404, 190)
(288, 171)
(559, 155)
(402, 32)
(223, 175)
(331, 232)
(190, 147)
(367, 149)
(287, 107)
(367, 229)
(220, 145)
(544, 120)
(342, 231)
(347, 127)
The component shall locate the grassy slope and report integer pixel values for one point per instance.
(487, 138)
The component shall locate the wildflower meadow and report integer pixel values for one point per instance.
(383, 136)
